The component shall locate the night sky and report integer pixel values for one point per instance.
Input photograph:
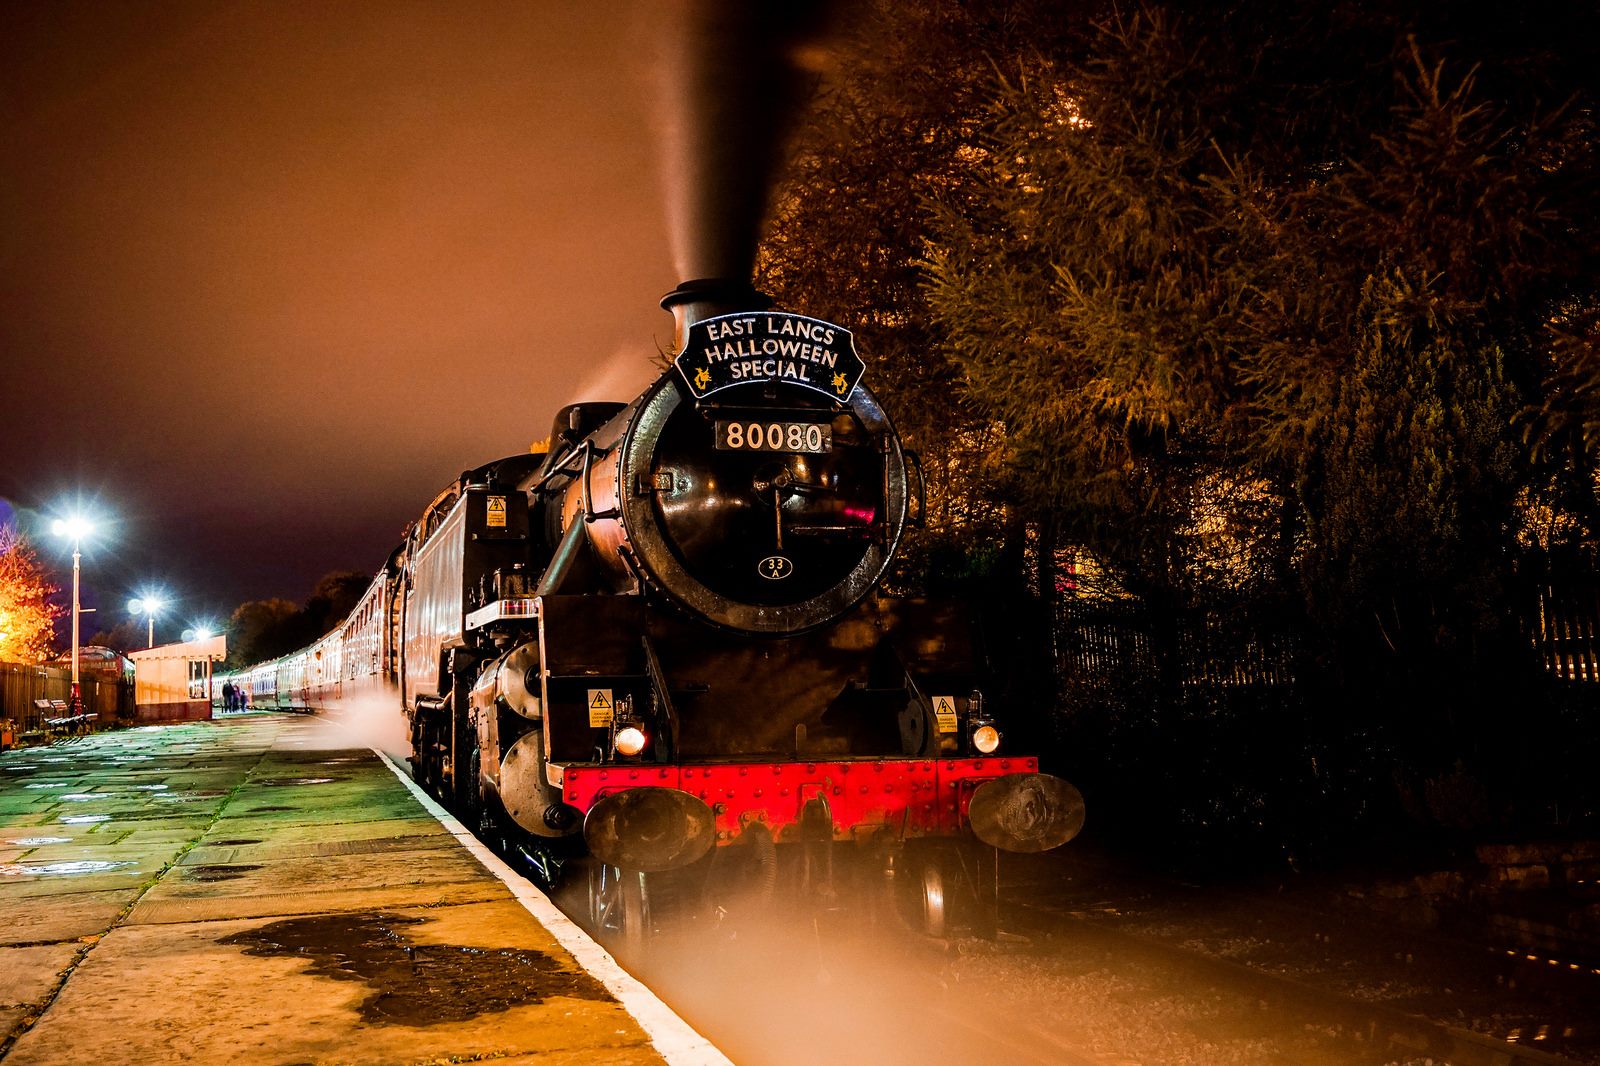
(274, 273)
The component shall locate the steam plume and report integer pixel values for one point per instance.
(733, 79)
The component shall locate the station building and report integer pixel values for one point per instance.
(172, 682)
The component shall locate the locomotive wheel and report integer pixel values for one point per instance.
(984, 921)
(742, 880)
(619, 907)
(946, 889)
(931, 890)
(934, 890)
(635, 912)
(424, 758)
(468, 797)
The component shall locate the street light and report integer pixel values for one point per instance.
(150, 606)
(74, 528)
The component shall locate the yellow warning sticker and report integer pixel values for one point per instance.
(497, 512)
(944, 709)
(599, 708)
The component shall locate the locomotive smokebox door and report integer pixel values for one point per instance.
(763, 489)
(649, 829)
(1026, 812)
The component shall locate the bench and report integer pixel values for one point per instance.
(59, 721)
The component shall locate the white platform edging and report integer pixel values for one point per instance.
(673, 1037)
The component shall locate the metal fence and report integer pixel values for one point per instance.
(21, 687)
(1565, 630)
(1114, 645)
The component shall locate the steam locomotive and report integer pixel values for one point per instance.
(657, 643)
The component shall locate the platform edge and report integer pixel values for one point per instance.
(672, 1037)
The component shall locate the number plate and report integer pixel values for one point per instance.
(743, 436)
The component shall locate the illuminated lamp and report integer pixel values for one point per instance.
(630, 740)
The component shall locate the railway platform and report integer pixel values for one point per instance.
(263, 889)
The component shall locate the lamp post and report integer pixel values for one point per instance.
(149, 606)
(74, 529)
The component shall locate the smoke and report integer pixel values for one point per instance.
(365, 720)
(793, 985)
(734, 71)
(620, 377)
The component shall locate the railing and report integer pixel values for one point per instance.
(1565, 631)
(21, 687)
(1115, 645)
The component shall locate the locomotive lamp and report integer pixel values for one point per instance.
(629, 738)
(985, 737)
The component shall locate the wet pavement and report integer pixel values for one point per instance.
(248, 891)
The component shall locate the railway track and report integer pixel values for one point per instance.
(1351, 1028)
(1150, 971)
(1375, 982)
(1088, 983)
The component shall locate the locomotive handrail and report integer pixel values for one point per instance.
(589, 513)
(561, 563)
(914, 462)
(832, 531)
(658, 681)
(928, 716)
(559, 467)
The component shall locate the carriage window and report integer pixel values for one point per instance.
(198, 676)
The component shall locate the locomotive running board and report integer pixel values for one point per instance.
(519, 609)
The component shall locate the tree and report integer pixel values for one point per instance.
(129, 634)
(265, 629)
(1252, 303)
(1200, 258)
(27, 617)
(332, 600)
(261, 630)
(889, 130)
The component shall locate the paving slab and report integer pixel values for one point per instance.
(244, 1004)
(50, 885)
(28, 975)
(245, 849)
(306, 901)
(304, 906)
(54, 919)
(286, 833)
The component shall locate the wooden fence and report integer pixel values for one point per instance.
(21, 685)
